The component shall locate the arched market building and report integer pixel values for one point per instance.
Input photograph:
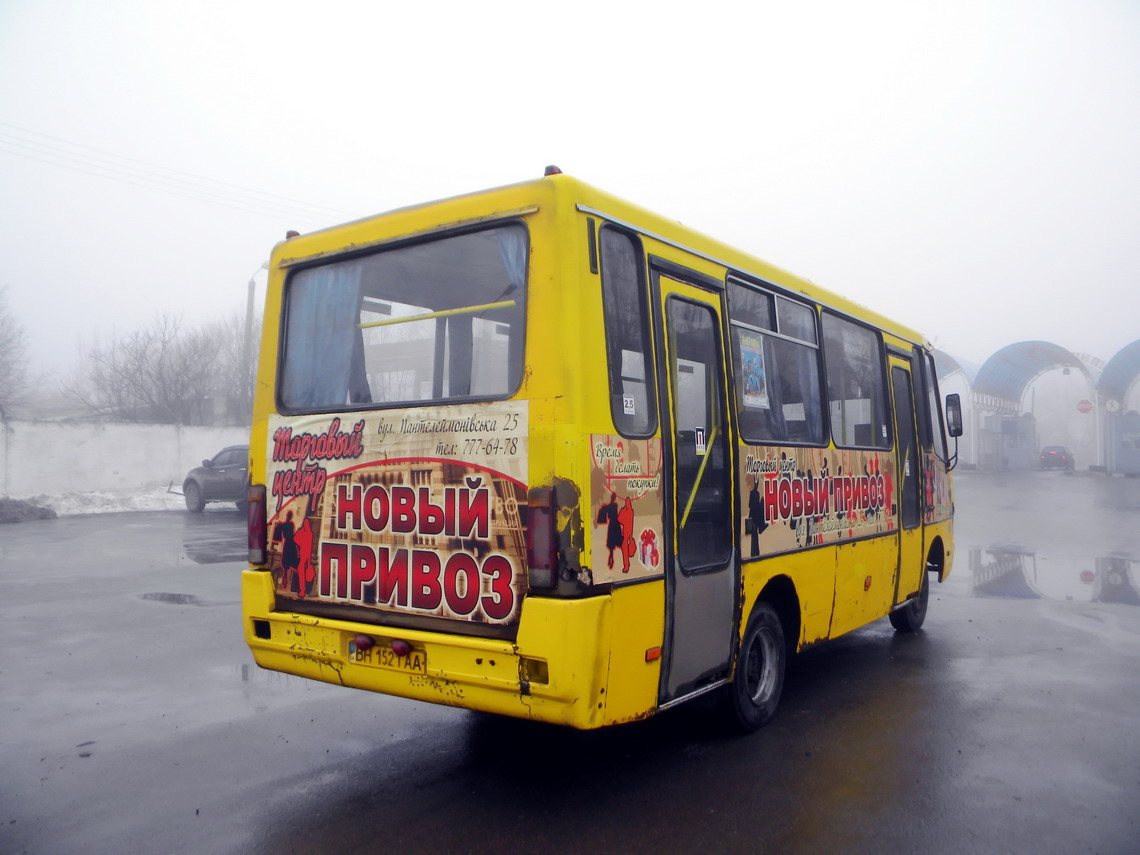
(1034, 393)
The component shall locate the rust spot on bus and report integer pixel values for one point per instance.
(571, 534)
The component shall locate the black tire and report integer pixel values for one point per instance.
(755, 690)
(192, 493)
(910, 617)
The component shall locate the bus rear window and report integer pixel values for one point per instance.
(436, 321)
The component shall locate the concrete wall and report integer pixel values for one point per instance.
(48, 458)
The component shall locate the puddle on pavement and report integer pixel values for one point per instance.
(1010, 573)
(173, 599)
(251, 673)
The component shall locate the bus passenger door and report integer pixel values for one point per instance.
(912, 562)
(701, 574)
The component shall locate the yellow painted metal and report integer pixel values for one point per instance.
(590, 647)
(638, 627)
(812, 573)
(594, 648)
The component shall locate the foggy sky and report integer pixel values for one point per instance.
(969, 169)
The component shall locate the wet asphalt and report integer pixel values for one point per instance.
(132, 718)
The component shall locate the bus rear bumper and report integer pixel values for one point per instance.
(554, 672)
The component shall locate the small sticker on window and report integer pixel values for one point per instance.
(884, 431)
(630, 408)
(699, 436)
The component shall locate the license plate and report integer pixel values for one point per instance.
(384, 657)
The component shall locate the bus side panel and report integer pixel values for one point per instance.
(812, 573)
(864, 582)
(938, 511)
(574, 638)
(942, 533)
(635, 651)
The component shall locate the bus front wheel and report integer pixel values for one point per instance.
(910, 617)
(755, 690)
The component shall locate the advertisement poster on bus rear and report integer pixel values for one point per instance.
(416, 511)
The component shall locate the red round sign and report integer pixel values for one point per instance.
(1084, 406)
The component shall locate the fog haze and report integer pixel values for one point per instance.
(969, 170)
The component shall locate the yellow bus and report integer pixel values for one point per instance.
(539, 452)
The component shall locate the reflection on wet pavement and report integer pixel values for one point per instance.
(1012, 573)
(215, 537)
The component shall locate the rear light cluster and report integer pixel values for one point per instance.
(553, 537)
(257, 525)
(542, 538)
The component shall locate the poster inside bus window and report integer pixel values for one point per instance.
(752, 371)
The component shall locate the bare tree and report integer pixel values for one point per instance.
(13, 357)
(238, 363)
(168, 373)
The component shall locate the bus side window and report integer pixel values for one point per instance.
(776, 362)
(922, 400)
(633, 401)
(856, 388)
(930, 376)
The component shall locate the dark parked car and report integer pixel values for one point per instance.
(1056, 457)
(222, 479)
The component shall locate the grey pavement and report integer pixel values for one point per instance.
(132, 718)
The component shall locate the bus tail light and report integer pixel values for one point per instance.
(256, 523)
(541, 538)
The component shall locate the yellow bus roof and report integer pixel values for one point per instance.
(527, 196)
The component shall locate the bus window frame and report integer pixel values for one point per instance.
(923, 421)
(649, 354)
(735, 277)
(671, 362)
(884, 380)
(937, 426)
(398, 243)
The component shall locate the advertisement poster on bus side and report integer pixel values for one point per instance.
(799, 497)
(413, 511)
(938, 502)
(626, 508)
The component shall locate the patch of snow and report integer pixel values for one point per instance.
(115, 501)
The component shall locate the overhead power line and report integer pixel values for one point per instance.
(33, 145)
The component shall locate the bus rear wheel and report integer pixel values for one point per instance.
(755, 690)
(911, 616)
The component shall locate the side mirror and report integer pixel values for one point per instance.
(954, 415)
(207, 463)
(954, 425)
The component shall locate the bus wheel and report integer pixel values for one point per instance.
(910, 617)
(193, 495)
(755, 689)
